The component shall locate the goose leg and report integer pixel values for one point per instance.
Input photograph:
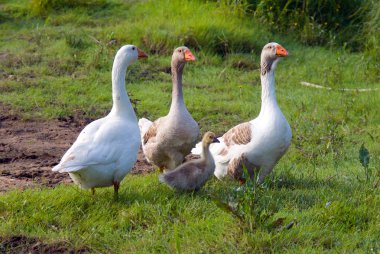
(263, 173)
(171, 165)
(175, 159)
(93, 191)
(116, 186)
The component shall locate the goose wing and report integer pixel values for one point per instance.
(97, 144)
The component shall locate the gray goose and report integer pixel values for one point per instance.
(192, 175)
(166, 141)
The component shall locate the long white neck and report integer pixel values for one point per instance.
(121, 103)
(177, 95)
(268, 93)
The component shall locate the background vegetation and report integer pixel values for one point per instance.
(56, 58)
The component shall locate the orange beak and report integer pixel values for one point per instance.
(189, 56)
(141, 54)
(281, 51)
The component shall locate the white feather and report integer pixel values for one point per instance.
(144, 125)
(106, 149)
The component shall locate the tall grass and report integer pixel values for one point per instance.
(352, 25)
(238, 26)
(44, 7)
(371, 39)
(317, 22)
(208, 27)
(160, 26)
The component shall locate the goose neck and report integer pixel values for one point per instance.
(121, 103)
(177, 95)
(205, 151)
(268, 93)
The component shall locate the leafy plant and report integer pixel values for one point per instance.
(364, 160)
(241, 201)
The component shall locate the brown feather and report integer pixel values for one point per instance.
(235, 167)
(238, 135)
(223, 152)
(151, 132)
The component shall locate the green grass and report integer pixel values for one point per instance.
(150, 218)
(140, 221)
(60, 64)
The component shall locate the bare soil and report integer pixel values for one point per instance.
(23, 244)
(30, 148)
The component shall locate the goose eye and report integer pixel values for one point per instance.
(270, 47)
(180, 50)
(133, 48)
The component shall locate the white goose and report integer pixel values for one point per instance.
(106, 149)
(169, 139)
(260, 143)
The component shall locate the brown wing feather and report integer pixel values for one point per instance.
(151, 132)
(238, 135)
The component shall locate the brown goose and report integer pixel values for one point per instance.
(192, 175)
(169, 139)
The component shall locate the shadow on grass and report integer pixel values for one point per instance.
(291, 182)
(285, 195)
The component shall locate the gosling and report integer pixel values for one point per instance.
(192, 175)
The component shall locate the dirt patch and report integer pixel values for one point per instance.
(29, 149)
(23, 244)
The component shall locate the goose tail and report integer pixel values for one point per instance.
(168, 178)
(67, 168)
(56, 168)
(197, 150)
(215, 148)
(144, 125)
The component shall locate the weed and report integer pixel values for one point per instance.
(241, 201)
(364, 160)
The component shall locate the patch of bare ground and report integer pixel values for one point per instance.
(30, 148)
(23, 244)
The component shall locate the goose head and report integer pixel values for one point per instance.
(129, 54)
(209, 137)
(181, 55)
(270, 55)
